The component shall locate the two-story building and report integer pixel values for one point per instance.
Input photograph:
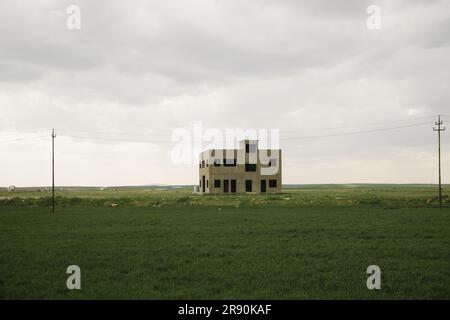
(247, 169)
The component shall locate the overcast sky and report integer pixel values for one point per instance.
(136, 70)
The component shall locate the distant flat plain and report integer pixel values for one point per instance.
(311, 242)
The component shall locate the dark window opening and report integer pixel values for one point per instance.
(229, 162)
(225, 185)
(207, 184)
(216, 183)
(272, 183)
(216, 163)
(250, 167)
(248, 185)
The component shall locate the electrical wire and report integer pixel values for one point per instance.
(115, 139)
(356, 132)
(361, 125)
(159, 134)
(281, 138)
(22, 139)
(285, 138)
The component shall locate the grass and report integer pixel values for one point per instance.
(310, 243)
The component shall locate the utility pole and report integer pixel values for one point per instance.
(439, 129)
(53, 169)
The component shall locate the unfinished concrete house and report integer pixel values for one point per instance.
(247, 169)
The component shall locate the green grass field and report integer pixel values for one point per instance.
(308, 243)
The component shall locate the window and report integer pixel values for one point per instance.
(216, 162)
(229, 162)
(226, 184)
(216, 183)
(203, 163)
(248, 185)
(272, 183)
(207, 183)
(250, 167)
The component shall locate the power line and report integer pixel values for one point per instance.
(22, 139)
(13, 140)
(356, 132)
(285, 138)
(159, 134)
(113, 133)
(116, 139)
(11, 133)
(281, 138)
(360, 125)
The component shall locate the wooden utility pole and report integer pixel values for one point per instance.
(439, 129)
(53, 169)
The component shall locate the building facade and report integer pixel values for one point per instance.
(247, 169)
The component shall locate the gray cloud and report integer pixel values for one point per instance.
(151, 66)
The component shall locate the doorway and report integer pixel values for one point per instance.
(233, 186)
(263, 186)
(248, 185)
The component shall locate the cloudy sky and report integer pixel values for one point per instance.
(352, 104)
